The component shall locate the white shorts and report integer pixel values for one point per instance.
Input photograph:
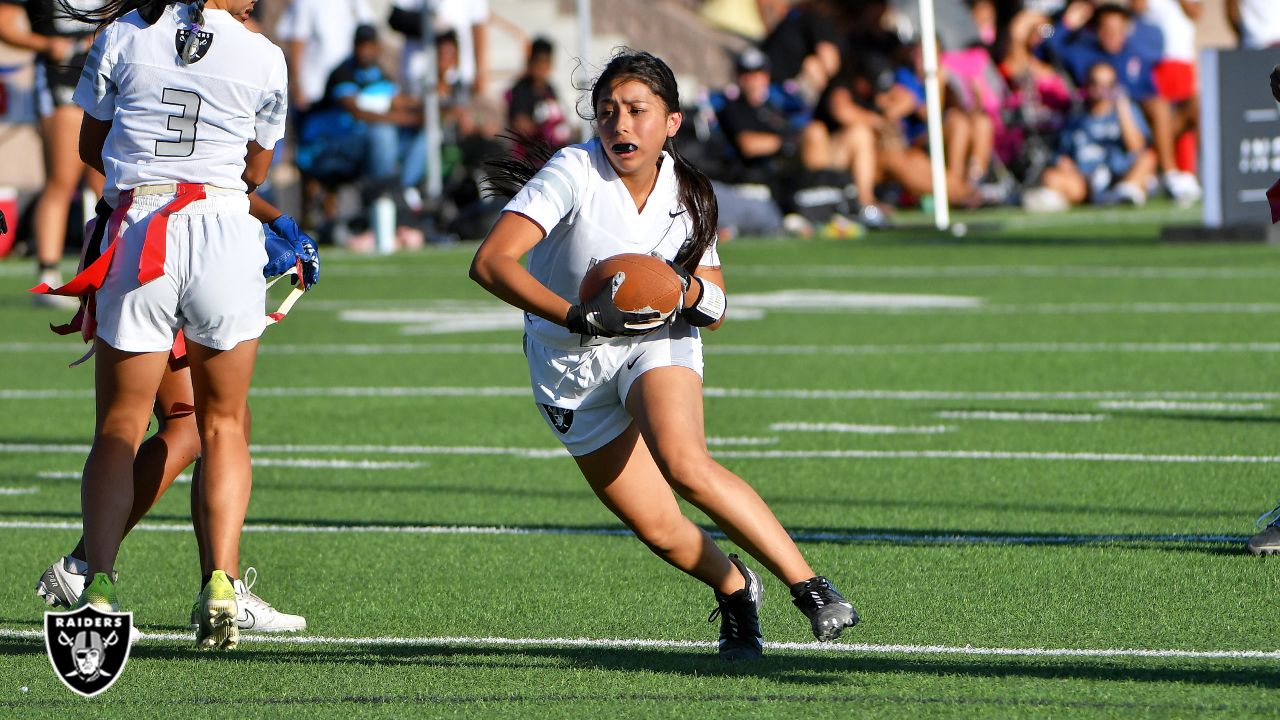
(212, 288)
(582, 393)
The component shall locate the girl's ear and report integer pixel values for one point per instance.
(673, 123)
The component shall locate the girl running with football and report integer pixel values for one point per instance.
(183, 106)
(623, 391)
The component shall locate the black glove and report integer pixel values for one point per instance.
(1275, 83)
(4, 226)
(600, 317)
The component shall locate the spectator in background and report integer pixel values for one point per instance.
(1257, 22)
(316, 35)
(371, 108)
(61, 46)
(763, 123)
(805, 47)
(1175, 74)
(1086, 36)
(1105, 153)
(468, 19)
(316, 38)
(1039, 100)
(533, 110)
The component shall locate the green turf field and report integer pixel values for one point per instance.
(1023, 456)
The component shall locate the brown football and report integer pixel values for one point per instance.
(650, 283)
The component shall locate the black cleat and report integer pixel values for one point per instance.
(826, 608)
(740, 636)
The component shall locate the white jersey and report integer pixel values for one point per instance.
(588, 215)
(183, 123)
(1179, 30)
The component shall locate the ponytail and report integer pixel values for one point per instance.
(113, 10)
(699, 199)
(511, 172)
(191, 47)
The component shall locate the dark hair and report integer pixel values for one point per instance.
(149, 10)
(540, 46)
(1110, 8)
(694, 189)
(509, 174)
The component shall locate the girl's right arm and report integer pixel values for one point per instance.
(497, 268)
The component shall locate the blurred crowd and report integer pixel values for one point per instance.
(358, 124)
(1045, 103)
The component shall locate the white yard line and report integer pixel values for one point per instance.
(549, 453)
(19, 491)
(642, 643)
(856, 429)
(1176, 405)
(720, 392)
(997, 271)
(506, 530)
(1019, 416)
(975, 348)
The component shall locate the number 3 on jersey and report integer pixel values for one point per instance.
(183, 122)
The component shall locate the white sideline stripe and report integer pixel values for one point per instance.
(859, 429)
(897, 538)
(1171, 405)
(717, 392)
(643, 643)
(727, 441)
(336, 464)
(548, 453)
(358, 349)
(1018, 416)
(19, 491)
(993, 455)
(76, 475)
(993, 271)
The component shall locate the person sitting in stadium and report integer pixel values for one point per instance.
(1104, 152)
(533, 109)
(1086, 36)
(762, 123)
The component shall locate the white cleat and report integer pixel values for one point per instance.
(63, 582)
(254, 613)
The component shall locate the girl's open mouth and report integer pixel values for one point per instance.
(624, 149)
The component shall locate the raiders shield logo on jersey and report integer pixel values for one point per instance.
(87, 647)
(204, 41)
(562, 419)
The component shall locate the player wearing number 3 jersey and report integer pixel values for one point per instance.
(183, 106)
(623, 390)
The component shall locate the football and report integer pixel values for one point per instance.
(650, 283)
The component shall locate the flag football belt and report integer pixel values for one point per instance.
(93, 271)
